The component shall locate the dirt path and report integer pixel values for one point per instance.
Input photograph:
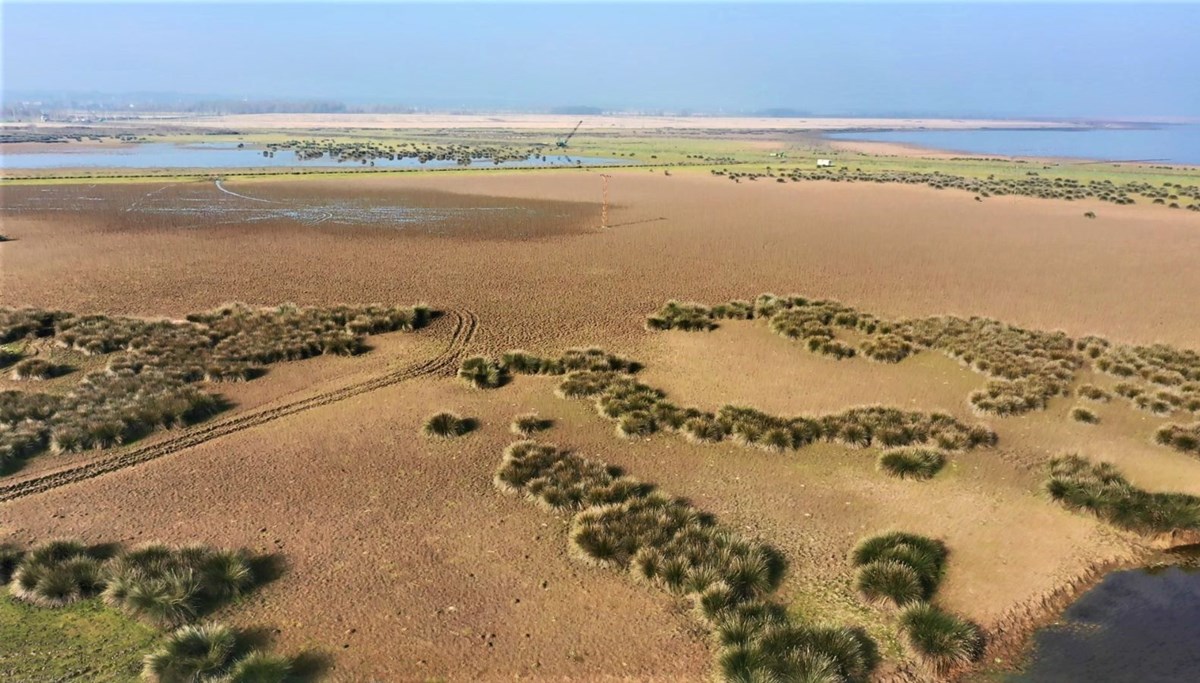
(465, 324)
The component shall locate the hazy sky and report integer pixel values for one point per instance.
(978, 59)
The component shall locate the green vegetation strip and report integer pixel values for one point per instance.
(1102, 490)
(640, 410)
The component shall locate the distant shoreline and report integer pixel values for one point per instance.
(559, 121)
(916, 150)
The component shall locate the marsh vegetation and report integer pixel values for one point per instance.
(626, 525)
(154, 368)
(1102, 490)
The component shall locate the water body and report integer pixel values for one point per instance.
(227, 155)
(1170, 144)
(1139, 626)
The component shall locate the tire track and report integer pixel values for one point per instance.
(465, 324)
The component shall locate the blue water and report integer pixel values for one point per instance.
(1139, 626)
(227, 155)
(1171, 144)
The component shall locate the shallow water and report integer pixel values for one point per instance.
(1165, 144)
(227, 155)
(1140, 626)
(177, 206)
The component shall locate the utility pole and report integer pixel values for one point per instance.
(604, 207)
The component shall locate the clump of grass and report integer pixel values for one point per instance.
(28, 323)
(482, 373)
(1084, 414)
(56, 574)
(899, 567)
(168, 586)
(912, 463)
(192, 653)
(529, 424)
(1102, 490)
(37, 369)
(887, 348)
(941, 641)
(446, 425)
(636, 424)
(259, 667)
(1092, 392)
(1185, 438)
(571, 360)
(690, 317)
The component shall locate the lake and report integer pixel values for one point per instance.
(1140, 626)
(1168, 144)
(150, 155)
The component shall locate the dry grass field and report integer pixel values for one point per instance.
(402, 560)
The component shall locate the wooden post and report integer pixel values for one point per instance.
(604, 206)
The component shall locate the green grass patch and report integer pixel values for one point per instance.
(82, 641)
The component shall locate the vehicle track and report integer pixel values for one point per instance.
(465, 323)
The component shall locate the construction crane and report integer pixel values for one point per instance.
(562, 143)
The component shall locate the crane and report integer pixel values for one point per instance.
(562, 144)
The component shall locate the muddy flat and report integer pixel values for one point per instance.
(403, 561)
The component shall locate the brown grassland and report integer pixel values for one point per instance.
(404, 563)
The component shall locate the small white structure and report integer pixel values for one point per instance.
(824, 163)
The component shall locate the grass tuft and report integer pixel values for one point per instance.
(912, 463)
(1084, 414)
(483, 373)
(1101, 489)
(529, 424)
(446, 425)
(192, 653)
(940, 640)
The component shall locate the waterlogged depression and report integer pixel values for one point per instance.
(193, 205)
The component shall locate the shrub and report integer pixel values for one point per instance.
(703, 429)
(689, 317)
(56, 574)
(1082, 414)
(259, 667)
(530, 423)
(447, 425)
(912, 463)
(880, 577)
(886, 580)
(1180, 437)
(37, 369)
(192, 653)
(636, 424)
(887, 348)
(1092, 393)
(482, 373)
(940, 640)
(168, 586)
(1101, 489)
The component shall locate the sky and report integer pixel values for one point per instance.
(975, 59)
